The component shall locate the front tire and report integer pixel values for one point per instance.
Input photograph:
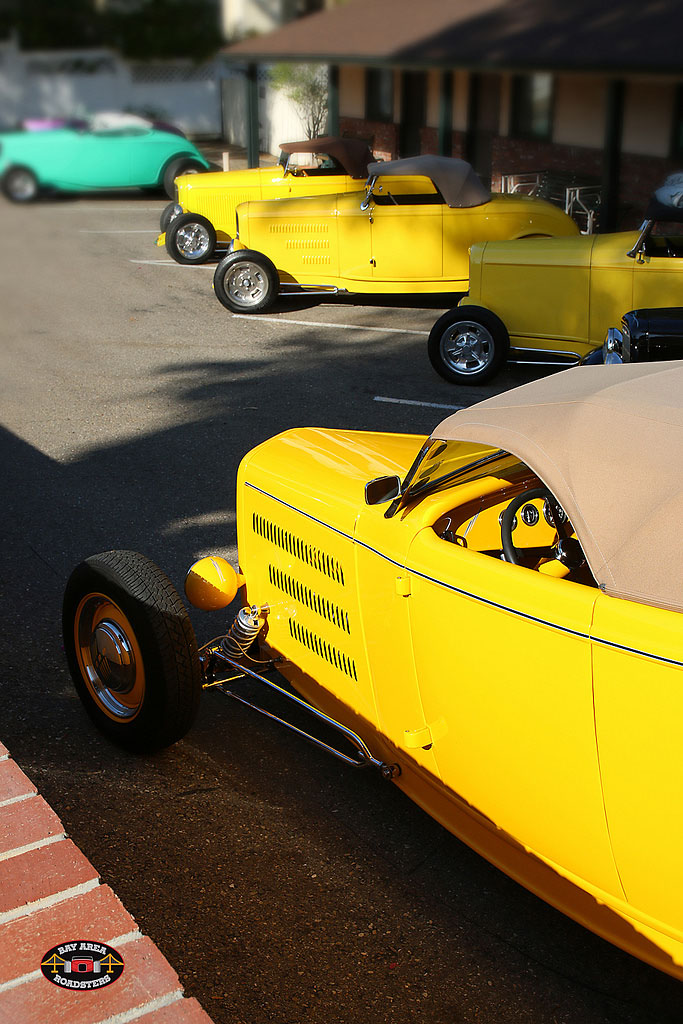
(246, 281)
(190, 239)
(131, 650)
(20, 185)
(468, 345)
(181, 165)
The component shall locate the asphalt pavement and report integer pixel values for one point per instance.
(279, 885)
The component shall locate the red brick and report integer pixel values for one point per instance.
(146, 976)
(97, 915)
(184, 1011)
(13, 782)
(41, 873)
(27, 822)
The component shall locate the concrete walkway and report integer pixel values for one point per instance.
(51, 894)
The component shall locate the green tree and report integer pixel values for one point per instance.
(306, 86)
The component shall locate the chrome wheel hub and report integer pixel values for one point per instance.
(112, 657)
(246, 284)
(192, 241)
(22, 185)
(467, 347)
(109, 657)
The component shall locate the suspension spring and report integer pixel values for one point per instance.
(244, 630)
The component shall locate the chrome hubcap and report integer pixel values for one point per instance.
(22, 185)
(112, 657)
(246, 284)
(467, 347)
(192, 241)
(109, 657)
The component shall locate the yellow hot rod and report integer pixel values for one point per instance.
(409, 232)
(552, 301)
(201, 220)
(490, 617)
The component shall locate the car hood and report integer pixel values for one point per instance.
(323, 472)
(571, 250)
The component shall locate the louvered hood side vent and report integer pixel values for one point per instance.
(323, 649)
(321, 605)
(293, 545)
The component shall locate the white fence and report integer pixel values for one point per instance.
(206, 100)
(58, 83)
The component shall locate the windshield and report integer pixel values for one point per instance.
(439, 463)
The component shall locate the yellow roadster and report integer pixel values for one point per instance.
(552, 301)
(409, 232)
(201, 220)
(490, 617)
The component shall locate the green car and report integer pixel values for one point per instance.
(95, 156)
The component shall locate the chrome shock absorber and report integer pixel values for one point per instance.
(244, 630)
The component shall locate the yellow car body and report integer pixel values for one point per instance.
(531, 703)
(201, 220)
(551, 301)
(401, 235)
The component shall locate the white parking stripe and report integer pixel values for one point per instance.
(172, 263)
(410, 401)
(119, 231)
(317, 323)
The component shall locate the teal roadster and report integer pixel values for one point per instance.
(97, 156)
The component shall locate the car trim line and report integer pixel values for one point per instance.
(466, 593)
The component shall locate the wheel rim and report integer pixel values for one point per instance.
(109, 657)
(467, 347)
(246, 284)
(22, 185)
(192, 241)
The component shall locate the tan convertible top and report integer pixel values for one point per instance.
(608, 442)
(456, 180)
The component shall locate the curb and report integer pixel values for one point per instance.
(50, 893)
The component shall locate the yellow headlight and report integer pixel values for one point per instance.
(212, 583)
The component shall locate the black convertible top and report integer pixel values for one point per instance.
(353, 154)
(456, 180)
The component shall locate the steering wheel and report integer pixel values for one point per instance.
(566, 549)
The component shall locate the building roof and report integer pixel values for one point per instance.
(613, 36)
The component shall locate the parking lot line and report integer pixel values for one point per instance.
(317, 323)
(119, 231)
(410, 401)
(172, 263)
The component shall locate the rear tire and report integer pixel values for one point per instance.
(190, 239)
(181, 165)
(246, 281)
(167, 215)
(468, 345)
(131, 650)
(20, 185)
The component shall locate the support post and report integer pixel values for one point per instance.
(611, 161)
(333, 100)
(445, 135)
(252, 116)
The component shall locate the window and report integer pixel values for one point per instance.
(532, 106)
(379, 94)
(677, 127)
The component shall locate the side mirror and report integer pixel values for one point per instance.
(381, 489)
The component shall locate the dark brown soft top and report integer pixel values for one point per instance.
(354, 155)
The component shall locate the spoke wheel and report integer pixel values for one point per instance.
(246, 282)
(468, 345)
(20, 185)
(190, 238)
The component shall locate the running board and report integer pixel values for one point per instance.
(363, 757)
